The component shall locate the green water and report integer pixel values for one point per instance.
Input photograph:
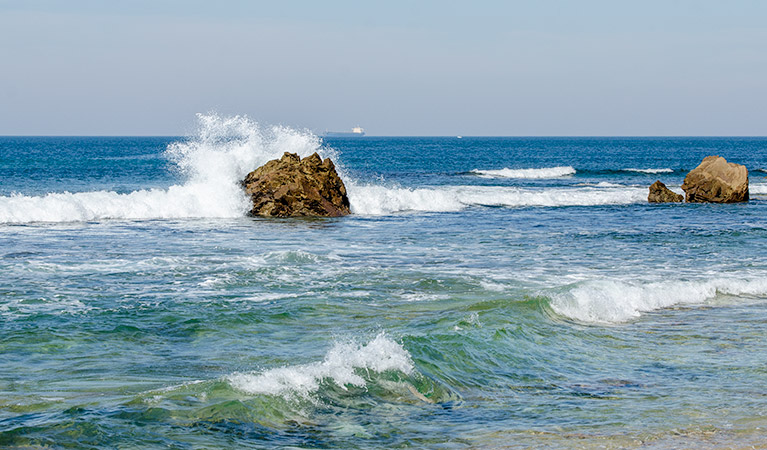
(489, 325)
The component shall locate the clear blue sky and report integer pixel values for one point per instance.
(539, 67)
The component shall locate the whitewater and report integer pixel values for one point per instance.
(225, 149)
(486, 292)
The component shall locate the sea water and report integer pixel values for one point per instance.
(485, 292)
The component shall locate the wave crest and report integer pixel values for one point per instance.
(340, 365)
(545, 172)
(379, 200)
(611, 301)
(665, 170)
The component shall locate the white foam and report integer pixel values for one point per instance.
(423, 297)
(545, 172)
(665, 170)
(602, 184)
(20, 307)
(611, 301)
(758, 189)
(213, 163)
(340, 365)
(379, 200)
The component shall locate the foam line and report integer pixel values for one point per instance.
(380, 200)
(545, 172)
(665, 170)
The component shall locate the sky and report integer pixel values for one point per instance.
(407, 68)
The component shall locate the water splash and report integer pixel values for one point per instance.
(212, 163)
(340, 365)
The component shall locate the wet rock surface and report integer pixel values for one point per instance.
(659, 193)
(295, 187)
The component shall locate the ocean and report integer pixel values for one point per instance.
(486, 292)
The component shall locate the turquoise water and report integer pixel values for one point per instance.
(464, 304)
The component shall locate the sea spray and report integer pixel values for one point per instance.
(211, 163)
(225, 148)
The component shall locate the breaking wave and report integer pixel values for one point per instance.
(349, 375)
(225, 149)
(546, 172)
(378, 200)
(610, 301)
(343, 365)
(213, 162)
(666, 170)
(757, 189)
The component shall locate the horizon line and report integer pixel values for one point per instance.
(455, 136)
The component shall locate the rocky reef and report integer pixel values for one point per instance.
(659, 193)
(295, 187)
(716, 181)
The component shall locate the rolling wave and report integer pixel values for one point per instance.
(652, 171)
(380, 200)
(545, 172)
(381, 367)
(340, 365)
(612, 301)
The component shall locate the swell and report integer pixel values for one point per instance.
(381, 370)
(613, 301)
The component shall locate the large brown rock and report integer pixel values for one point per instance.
(659, 193)
(295, 187)
(717, 181)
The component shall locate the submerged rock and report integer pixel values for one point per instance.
(717, 181)
(295, 187)
(659, 193)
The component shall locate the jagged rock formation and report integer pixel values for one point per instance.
(717, 181)
(295, 187)
(659, 193)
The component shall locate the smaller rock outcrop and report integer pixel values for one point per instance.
(717, 181)
(295, 187)
(659, 193)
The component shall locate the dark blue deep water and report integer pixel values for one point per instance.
(485, 292)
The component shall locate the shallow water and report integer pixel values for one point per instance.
(465, 304)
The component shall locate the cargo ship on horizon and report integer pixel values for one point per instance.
(356, 132)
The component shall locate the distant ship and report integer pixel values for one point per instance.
(356, 132)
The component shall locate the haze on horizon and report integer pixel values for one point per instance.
(544, 68)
